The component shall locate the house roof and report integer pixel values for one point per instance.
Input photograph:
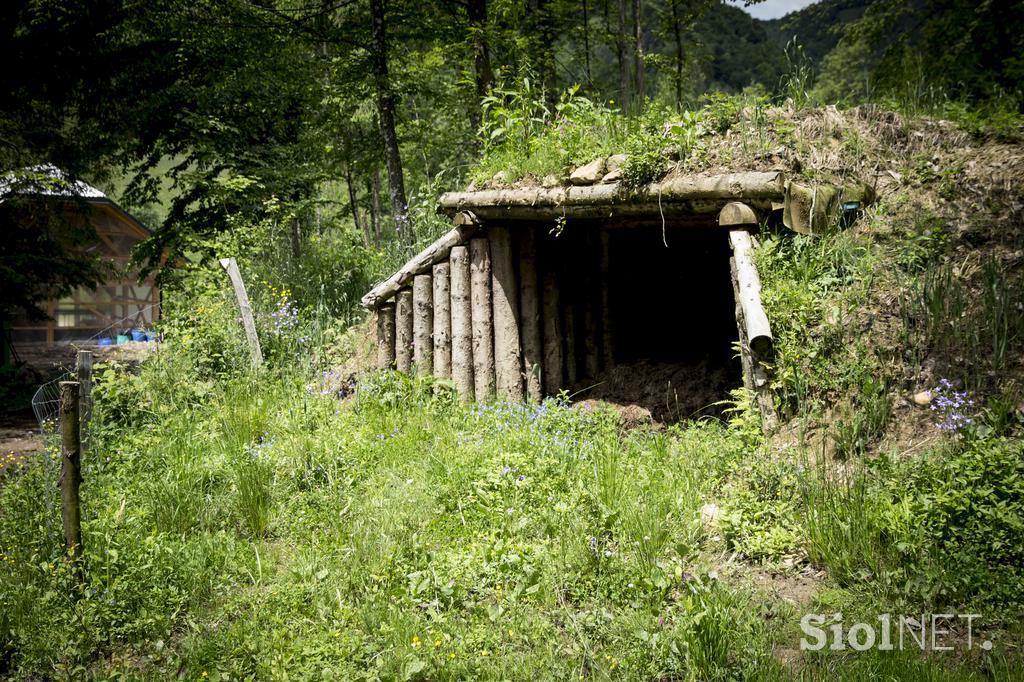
(804, 208)
(46, 180)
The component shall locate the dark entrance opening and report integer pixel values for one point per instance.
(671, 313)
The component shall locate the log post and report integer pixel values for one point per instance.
(553, 370)
(442, 322)
(70, 469)
(403, 330)
(423, 324)
(483, 323)
(529, 316)
(591, 339)
(231, 267)
(386, 336)
(505, 309)
(462, 324)
(568, 297)
(752, 323)
(758, 330)
(607, 359)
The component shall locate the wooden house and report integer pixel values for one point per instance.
(542, 289)
(119, 304)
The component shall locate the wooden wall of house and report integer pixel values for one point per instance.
(514, 313)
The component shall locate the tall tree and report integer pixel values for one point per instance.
(386, 116)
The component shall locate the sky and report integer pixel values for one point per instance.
(773, 9)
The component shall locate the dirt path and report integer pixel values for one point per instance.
(19, 438)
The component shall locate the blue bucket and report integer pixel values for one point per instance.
(104, 342)
(138, 335)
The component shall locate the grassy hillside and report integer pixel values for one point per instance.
(319, 520)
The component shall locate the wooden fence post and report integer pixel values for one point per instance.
(84, 370)
(70, 468)
(231, 267)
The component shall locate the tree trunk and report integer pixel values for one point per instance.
(375, 207)
(360, 226)
(423, 324)
(476, 11)
(553, 376)
(529, 316)
(545, 51)
(638, 57)
(462, 323)
(386, 118)
(442, 322)
(403, 331)
(586, 45)
(483, 322)
(620, 46)
(386, 336)
(296, 238)
(677, 32)
(505, 307)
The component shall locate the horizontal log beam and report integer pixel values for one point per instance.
(675, 196)
(465, 225)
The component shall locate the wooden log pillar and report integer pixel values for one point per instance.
(607, 355)
(483, 322)
(553, 374)
(529, 313)
(403, 330)
(231, 267)
(442, 322)
(569, 295)
(386, 336)
(71, 470)
(423, 324)
(462, 324)
(505, 309)
(591, 333)
(756, 343)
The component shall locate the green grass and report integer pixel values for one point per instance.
(273, 525)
